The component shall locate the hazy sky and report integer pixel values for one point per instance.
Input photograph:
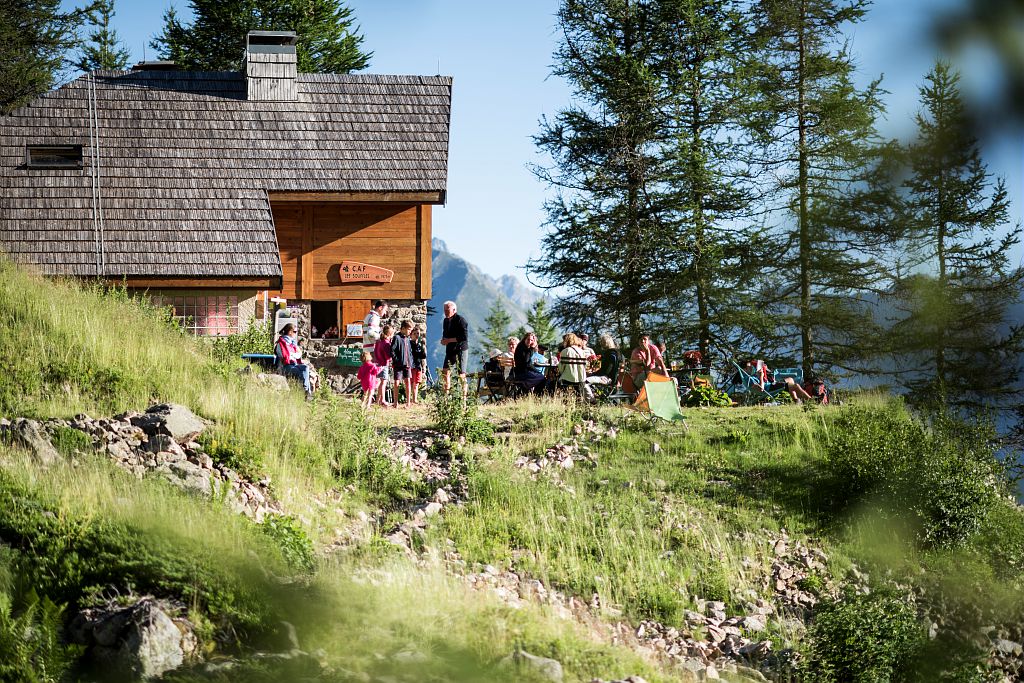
(500, 56)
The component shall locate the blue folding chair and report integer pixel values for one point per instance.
(745, 388)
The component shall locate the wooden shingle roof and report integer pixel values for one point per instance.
(186, 162)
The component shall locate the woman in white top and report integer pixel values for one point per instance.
(572, 365)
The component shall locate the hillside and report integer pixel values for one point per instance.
(269, 539)
(458, 280)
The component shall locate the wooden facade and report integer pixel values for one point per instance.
(314, 237)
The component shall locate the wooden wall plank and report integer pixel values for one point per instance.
(306, 283)
(425, 273)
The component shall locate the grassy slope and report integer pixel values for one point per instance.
(88, 530)
(647, 532)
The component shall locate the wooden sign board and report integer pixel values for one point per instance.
(354, 271)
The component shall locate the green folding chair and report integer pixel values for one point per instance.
(660, 399)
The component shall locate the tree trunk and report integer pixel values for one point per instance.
(806, 333)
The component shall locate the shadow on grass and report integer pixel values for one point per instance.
(803, 491)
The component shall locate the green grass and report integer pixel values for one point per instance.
(648, 532)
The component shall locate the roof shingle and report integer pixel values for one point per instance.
(186, 163)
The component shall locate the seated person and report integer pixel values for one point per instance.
(644, 360)
(289, 355)
(609, 361)
(528, 362)
(508, 359)
(572, 365)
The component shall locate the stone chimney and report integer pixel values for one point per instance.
(270, 66)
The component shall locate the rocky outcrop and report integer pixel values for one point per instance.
(140, 642)
(534, 666)
(159, 442)
(29, 435)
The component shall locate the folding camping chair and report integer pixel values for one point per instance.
(659, 399)
(748, 389)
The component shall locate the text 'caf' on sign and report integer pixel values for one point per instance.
(353, 271)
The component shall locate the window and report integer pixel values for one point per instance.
(53, 156)
(213, 316)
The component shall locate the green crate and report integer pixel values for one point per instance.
(349, 358)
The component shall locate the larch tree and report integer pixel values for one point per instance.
(608, 219)
(103, 49)
(954, 336)
(539, 321)
(495, 333)
(715, 247)
(819, 143)
(328, 39)
(35, 39)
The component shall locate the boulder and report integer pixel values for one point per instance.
(152, 642)
(190, 477)
(140, 641)
(29, 435)
(272, 381)
(177, 422)
(546, 668)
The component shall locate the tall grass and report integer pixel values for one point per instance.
(76, 348)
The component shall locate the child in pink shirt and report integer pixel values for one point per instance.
(382, 357)
(367, 375)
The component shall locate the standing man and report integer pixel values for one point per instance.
(455, 338)
(372, 325)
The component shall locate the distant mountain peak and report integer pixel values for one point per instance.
(458, 280)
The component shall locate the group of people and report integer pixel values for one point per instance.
(398, 357)
(530, 366)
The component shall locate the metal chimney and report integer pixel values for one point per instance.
(270, 66)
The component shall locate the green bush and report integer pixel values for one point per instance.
(295, 545)
(864, 639)
(67, 556)
(256, 339)
(944, 473)
(707, 396)
(69, 441)
(31, 647)
(457, 417)
(226, 448)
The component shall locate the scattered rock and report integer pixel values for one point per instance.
(272, 381)
(141, 640)
(174, 420)
(549, 669)
(29, 435)
(655, 448)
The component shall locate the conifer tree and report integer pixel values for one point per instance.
(819, 141)
(715, 247)
(605, 247)
(495, 331)
(104, 50)
(328, 40)
(955, 336)
(35, 38)
(539, 320)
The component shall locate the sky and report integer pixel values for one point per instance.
(500, 57)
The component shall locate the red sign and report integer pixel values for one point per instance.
(353, 271)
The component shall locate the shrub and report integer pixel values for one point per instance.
(707, 396)
(943, 473)
(258, 338)
(227, 449)
(456, 416)
(31, 647)
(295, 546)
(864, 639)
(69, 441)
